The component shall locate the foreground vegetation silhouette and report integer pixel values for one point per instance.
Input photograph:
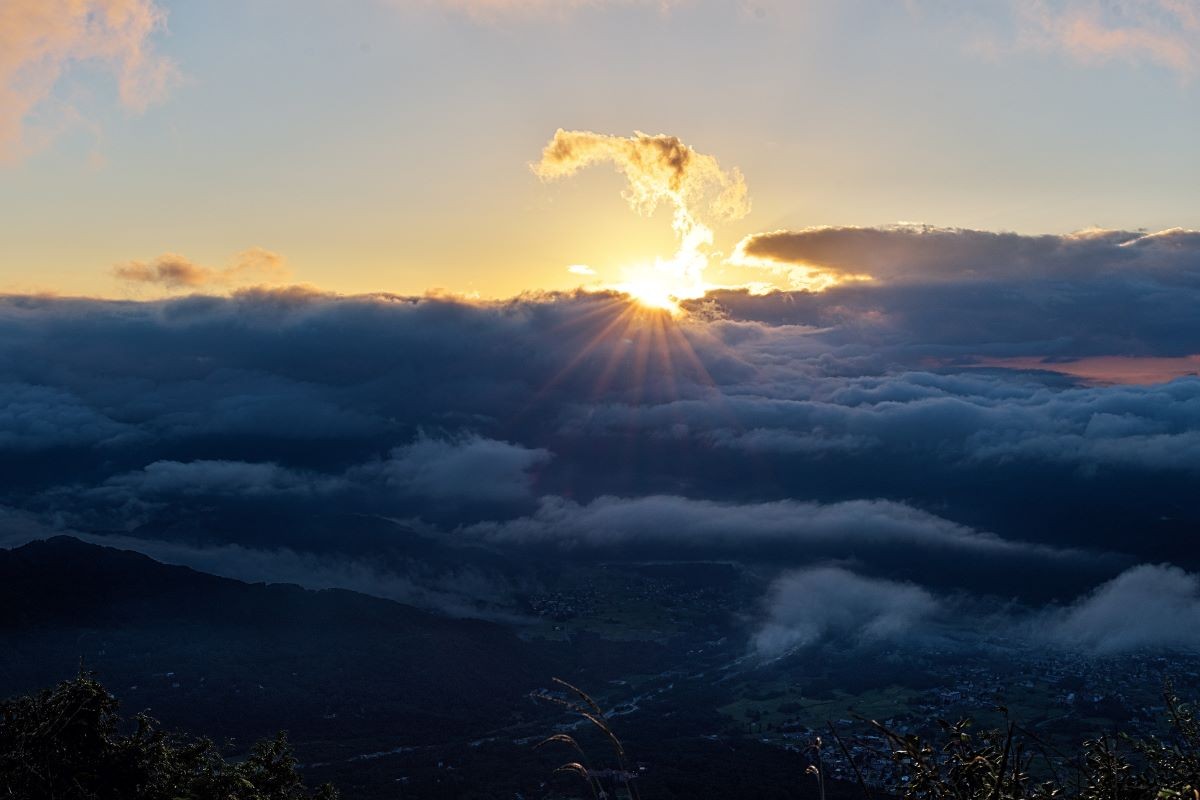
(69, 743)
(1008, 763)
(1014, 763)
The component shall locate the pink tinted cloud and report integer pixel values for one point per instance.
(1132, 370)
(1162, 32)
(41, 39)
(490, 9)
(172, 271)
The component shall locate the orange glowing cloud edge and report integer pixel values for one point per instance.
(1106, 370)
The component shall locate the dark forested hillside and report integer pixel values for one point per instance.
(244, 660)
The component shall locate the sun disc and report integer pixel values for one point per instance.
(657, 288)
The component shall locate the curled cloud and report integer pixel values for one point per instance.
(660, 169)
(172, 271)
(809, 606)
(41, 39)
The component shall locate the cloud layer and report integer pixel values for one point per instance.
(912, 432)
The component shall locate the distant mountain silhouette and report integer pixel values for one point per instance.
(239, 659)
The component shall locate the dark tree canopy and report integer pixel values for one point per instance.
(69, 743)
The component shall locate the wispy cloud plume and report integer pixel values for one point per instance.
(41, 39)
(660, 169)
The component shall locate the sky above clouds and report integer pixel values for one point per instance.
(385, 145)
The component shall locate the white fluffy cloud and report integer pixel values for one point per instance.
(808, 606)
(1151, 606)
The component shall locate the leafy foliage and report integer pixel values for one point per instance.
(1002, 764)
(69, 743)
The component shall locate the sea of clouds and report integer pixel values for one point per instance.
(872, 442)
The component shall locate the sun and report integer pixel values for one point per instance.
(661, 285)
(647, 290)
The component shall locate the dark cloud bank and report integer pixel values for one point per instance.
(858, 443)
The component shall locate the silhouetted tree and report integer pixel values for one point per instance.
(67, 743)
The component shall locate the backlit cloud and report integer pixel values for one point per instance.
(929, 253)
(660, 169)
(40, 40)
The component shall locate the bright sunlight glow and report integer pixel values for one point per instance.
(661, 285)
